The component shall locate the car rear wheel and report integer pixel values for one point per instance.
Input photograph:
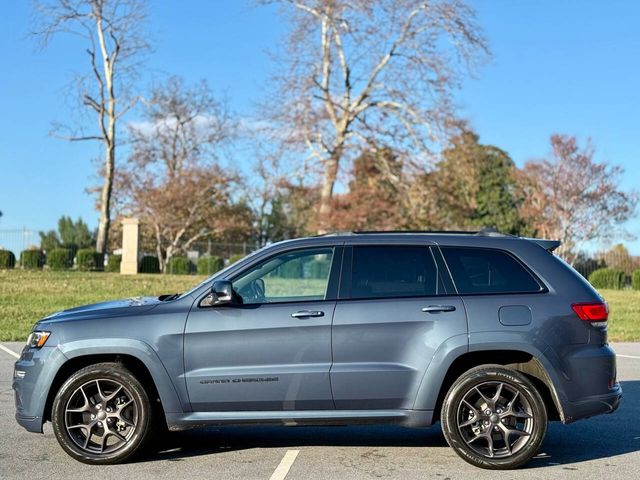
(102, 414)
(493, 417)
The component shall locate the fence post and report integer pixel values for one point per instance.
(130, 240)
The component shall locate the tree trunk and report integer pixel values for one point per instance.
(102, 241)
(326, 193)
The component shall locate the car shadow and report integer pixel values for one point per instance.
(604, 436)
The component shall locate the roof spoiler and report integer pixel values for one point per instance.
(548, 245)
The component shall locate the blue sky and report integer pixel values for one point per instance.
(558, 66)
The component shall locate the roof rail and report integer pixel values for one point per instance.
(485, 232)
(454, 232)
(492, 232)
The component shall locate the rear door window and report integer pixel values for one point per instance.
(483, 270)
(393, 271)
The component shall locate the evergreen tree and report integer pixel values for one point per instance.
(475, 187)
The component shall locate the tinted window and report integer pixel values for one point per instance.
(478, 270)
(390, 271)
(293, 276)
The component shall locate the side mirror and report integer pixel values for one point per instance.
(221, 292)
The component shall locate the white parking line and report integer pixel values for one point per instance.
(10, 352)
(285, 464)
(627, 356)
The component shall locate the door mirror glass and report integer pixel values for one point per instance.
(221, 293)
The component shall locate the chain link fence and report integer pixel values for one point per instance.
(17, 240)
(204, 258)
(617, 258)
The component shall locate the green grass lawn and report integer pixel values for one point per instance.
(624, 314)
(27, 296)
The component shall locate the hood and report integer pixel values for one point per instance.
(113, 308)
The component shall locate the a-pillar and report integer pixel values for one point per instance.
(130, 240)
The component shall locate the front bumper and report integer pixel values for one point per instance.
(34, 373)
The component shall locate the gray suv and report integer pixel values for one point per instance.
(489, 334)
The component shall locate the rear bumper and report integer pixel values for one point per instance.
(594, 405)
(584, 380)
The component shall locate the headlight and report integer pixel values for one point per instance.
(37, 339)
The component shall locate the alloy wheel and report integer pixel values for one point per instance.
(495, 420)
(101, 416)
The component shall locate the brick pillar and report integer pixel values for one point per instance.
(130, 232)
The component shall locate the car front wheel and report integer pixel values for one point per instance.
(102, 414)
(493, 417)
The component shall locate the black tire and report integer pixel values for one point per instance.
(492, 426)
(106, 400)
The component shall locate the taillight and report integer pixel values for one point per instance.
(596, 312)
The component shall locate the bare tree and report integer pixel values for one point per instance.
(172, 178)
(360, 73)
(114, 42)
(573, 198)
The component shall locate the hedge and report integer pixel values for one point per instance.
(113, 264)
(290, 269)
(235, 258)
(60, 259)
(179, 266)
(87, 259)
(209, 265)
(635, 280)
(7, 259)
(607, 278)
(149, 264)
(319, 269)
(32, 258)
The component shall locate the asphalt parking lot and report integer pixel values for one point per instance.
(607, 446)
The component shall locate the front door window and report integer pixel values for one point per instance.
(295, 276)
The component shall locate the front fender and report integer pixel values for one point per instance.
(169, 394)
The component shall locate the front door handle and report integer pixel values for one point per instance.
(438, 308)
(307, 314)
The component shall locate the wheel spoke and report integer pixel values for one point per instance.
(484, 397)
(102, 398)
(115, 392)
(496, 397)
(116, 434)
(519, 433)
(505, 437)
(103, 439)
(483, 436)
(124, 405)
(80, 425)
(522, 415)
(124, 420)
(471, 421)
(84, 407)
(88, 436)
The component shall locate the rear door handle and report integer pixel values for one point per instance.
(307, 314)
(438, 308)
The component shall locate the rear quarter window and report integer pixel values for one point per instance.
(484, 270)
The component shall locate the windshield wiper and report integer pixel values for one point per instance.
(167, 298)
